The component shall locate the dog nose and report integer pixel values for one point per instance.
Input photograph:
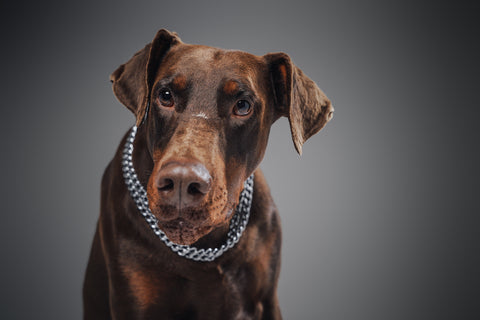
(183, 184)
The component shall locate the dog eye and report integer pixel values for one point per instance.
(242, 108)
(165, 98)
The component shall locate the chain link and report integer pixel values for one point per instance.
(238, 222)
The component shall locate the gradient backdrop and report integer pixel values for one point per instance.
(381, 213)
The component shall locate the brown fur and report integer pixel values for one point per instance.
(143, 285)
(131, 273)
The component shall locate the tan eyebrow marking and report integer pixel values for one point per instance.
(179, 83)
(230, 87)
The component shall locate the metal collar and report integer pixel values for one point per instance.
(238, 222)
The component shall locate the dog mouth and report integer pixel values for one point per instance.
(183, 232)
(177, 224)
(189, 225)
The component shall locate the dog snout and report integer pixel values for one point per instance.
(183, 184)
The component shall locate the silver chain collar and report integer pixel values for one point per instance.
(238, 222)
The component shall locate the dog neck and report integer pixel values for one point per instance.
(237, 226)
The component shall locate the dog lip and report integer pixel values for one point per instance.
(175, 224)
(179, 224)
(183, 232)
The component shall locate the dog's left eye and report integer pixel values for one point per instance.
(165, 98)
(242, 108)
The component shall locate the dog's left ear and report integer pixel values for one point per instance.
(133, 80)
(297, 97)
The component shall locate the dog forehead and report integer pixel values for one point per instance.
(193, 61)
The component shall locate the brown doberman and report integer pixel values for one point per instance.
(203, 116)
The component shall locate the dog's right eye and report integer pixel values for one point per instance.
(165, 98)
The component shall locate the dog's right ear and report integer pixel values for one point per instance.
(133, 80)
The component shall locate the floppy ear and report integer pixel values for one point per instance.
(297, 97)
(133, 80)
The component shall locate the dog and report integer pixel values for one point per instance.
(164, 246)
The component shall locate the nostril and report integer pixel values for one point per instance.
(166, 185)
(199, 188)
(194, 189)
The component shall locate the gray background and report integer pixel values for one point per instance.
(381, 213)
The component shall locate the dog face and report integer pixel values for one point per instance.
(208, 128)
(208, 124)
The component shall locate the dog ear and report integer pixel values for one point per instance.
(133, 80)
(297, 97)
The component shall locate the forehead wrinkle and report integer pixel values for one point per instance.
(165, 81)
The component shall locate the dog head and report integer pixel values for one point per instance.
(207, 124)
